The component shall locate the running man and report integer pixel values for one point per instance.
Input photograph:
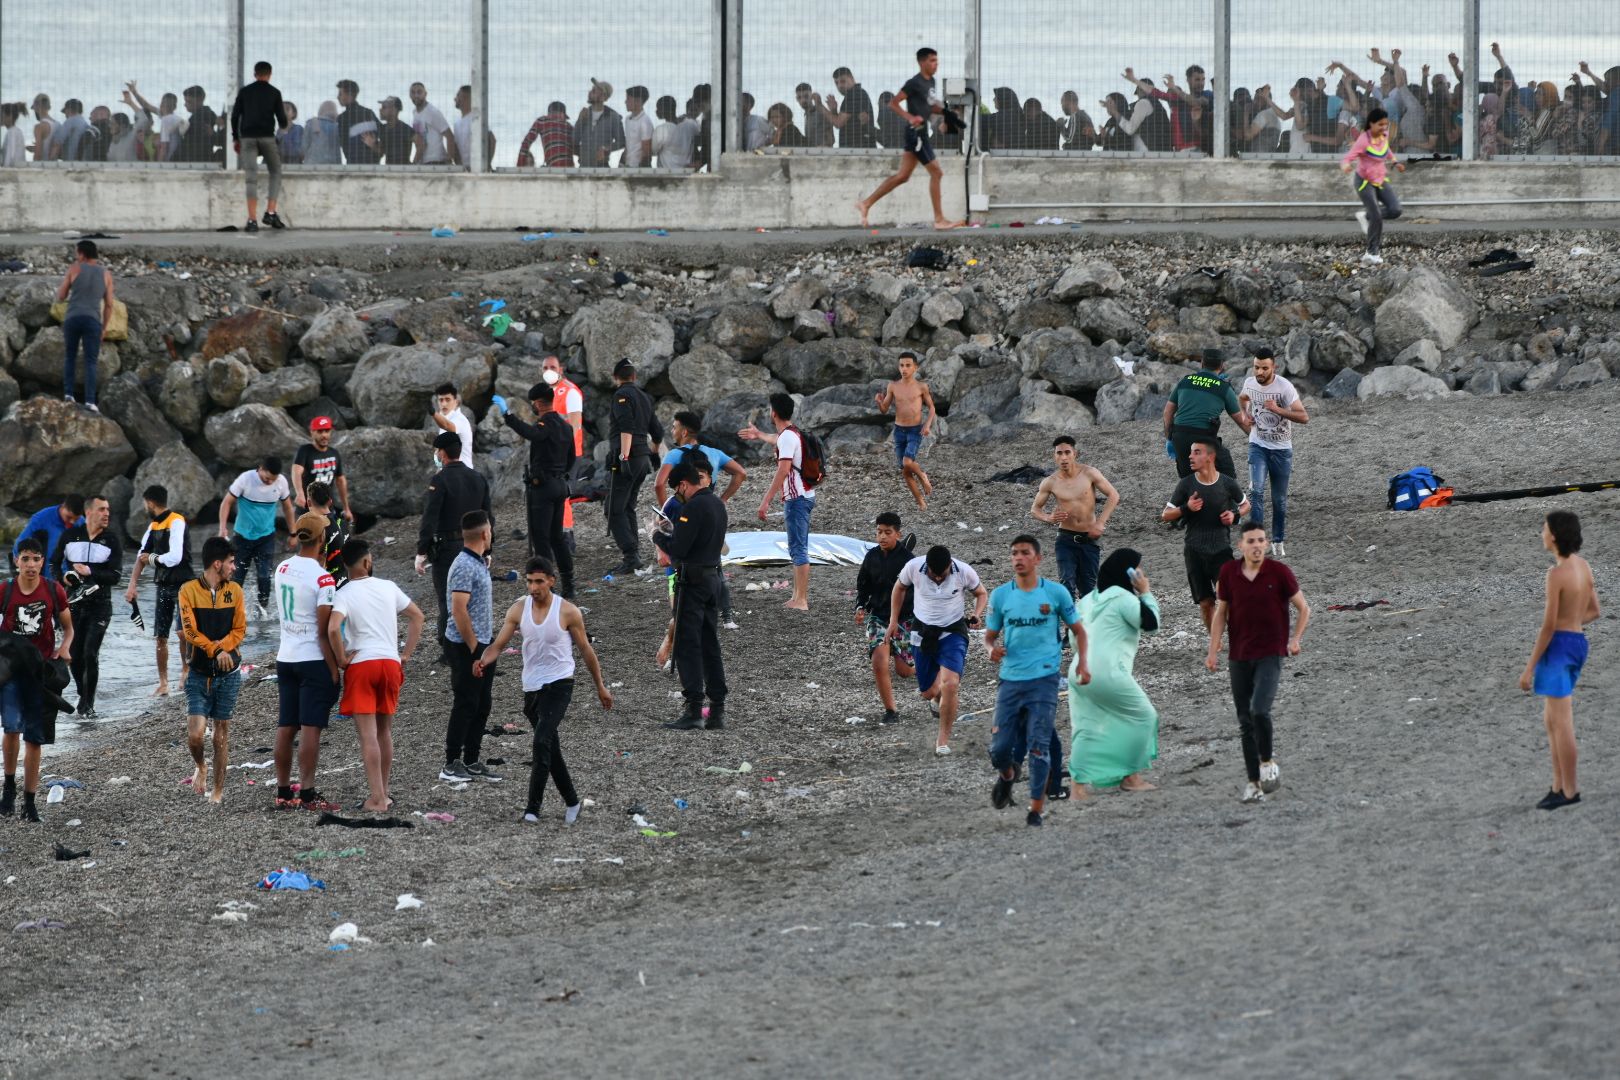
(914, 415)
(1273, 407)
(552, 629)
(798, 492)
(256, 118)
(32, 608)
(1074, 488)
(213, 621)
(1560, 651)
(256, 495)
(165, 545)
(916, 104)
(307, 675)
(1255, 595)
(372, 662)
(939, 586)
(1369, 158)
(1211, 504)
(1194, 412)
(874, 589)
(1027, 615)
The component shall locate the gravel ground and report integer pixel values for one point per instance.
(853, 905)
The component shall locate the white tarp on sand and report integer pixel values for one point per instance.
(771, 549)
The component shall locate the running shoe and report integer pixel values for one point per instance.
(482, 772)
(273, 220)
(1361, 219)
(91, 408)
(571, 814)
(1269, 781)
(311, 800)
(8, 801)
(89, 714)
(1001, 792)
(70, 399)
(31, 813)
(251, 226)
(1252, 793)
(1278, 551)
(727, 621)
(942, 751)
(890, 716)
(1033, 819)
(1370, 259)
(455, 772)
(1548, 801)
(531, 818)
(262, 609)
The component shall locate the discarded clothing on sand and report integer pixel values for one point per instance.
(1023, 474)
(364, 823)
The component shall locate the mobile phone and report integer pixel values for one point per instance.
(1130, 573)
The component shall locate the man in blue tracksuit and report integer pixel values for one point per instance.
(49, 524)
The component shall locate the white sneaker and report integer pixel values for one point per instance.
(1269, 781)
(1252, 793)
(729, 624)
(1277, 550)
(942, 751)
(263, 610)
(1369, 259)
(1361, 219)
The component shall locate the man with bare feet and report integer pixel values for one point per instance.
(798, 471)
(1560, 653)
(914, 415)
(165, 545)
(1074, 489)
(1211, 503)
(307, 675)
(213, 621)
(874, 588)
(916, 104)
(939, 585)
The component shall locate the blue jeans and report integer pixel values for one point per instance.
(81, 330)
(1026, 714)
(261, 552)
(1279, 465)
(1077, 559)
(797, 512)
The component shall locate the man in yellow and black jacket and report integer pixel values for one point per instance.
(213, 622)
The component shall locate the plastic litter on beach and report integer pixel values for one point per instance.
(57, 794)
(347, 934)
(406, 902)
(443, 232)
(439, 816)
(743, 768)
(294, 880)
(63, 782)
(40, 924)
(230, 917)
(68, 855)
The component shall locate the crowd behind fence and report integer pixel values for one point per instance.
(645, 86)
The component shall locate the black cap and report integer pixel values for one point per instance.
(1214, 358)
(542, 392)
(448, 441)
(624, 369)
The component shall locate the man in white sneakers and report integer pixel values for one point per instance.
(939, 638)
(1273, 407)
(307, 675)
(257, 496)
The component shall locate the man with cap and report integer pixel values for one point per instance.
(545, 481)
(635, 433)
(693, 546)
(454, 491)
(316, 461)
(307, 674)
(570, 405)
(599, 131)
(1194, 412)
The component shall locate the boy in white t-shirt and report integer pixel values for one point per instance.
(1273, 408)
(939, 586)
(447, 415)
(307, 675)
(798, 493)
(372, 662)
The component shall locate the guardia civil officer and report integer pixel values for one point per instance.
(693, 546)
(634, 433)
(545, 481)
(455, 490)
(1194, 412)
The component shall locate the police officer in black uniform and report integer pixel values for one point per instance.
(634, 432)
(693, 546)
(545, 481)
(454, 490)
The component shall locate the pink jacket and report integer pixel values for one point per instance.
(1370, 161)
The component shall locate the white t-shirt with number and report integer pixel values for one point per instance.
(789, 447)
(302, 587)
(370, 608)
(1270, 430)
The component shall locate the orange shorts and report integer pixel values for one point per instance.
(371, 687)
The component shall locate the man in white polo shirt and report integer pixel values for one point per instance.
(939, 635)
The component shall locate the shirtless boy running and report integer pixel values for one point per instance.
(1560, 652)
(913, 416)
(1074, 488)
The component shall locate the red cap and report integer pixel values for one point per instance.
(321, 423)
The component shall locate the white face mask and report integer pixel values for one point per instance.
(551, 377)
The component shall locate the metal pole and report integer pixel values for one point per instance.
(731, 86)
(235, 60)
(1470, 86)
(480, 162)
(973, 63)
(1221, 78)
(718, 39)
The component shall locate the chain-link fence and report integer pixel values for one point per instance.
(1549, 80)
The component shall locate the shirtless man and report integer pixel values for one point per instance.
(1074, 488)
(1556, 661)
(910, 398)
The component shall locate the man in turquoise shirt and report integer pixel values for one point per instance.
(256, 496)
(1022, 636)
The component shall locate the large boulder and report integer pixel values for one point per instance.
(1211, 318)
(1182, 344)
(125, 401)
(13, 337)
(614, 330)
(243, 436)
(1423, 354)
(1088, 279)
(260, 333)
(1406, 382)
(335, 336)
(226, 377)
(744, 331)
(1064, 358)
(285, 387)
(801, 294)
(49, 448)
(10, 392)
(1337, 350)
(1117, 401)
(942, 309)
(1030, 412)
(1424, 304)
(941, 373)
(1346, 384)
(809, 325)
(191, 487)
(1244, 294)
(858, 313)
(1295, 357)
(1194, 289)
(980, 313)
(729, 415)
(1282, 319)
(850, 403)
(392, 386)
(388, 469)
(183, 396)
(40, 364)
(1038, 315)
(1582, 375)
(1105, 319)
(706, 374)
(901, 321)
(435, 322)
(807, 366)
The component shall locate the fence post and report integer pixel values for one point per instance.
(480, 162)
(731, 96)
(1220, 78)
(1470, 86)
(973, 63)
(235, 59)
(719, 38)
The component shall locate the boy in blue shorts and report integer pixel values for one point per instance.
(940, 586)
(913, 417)
(1556, 661)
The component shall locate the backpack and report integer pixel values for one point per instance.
(814, 456)
(928, 258)
(1410, 489)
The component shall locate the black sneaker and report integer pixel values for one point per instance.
(687, 721)
(89, 714)
(8, 800)
(716, 720)
(1033, 820)
(481, 771)
(455, 772)
(890, 716)
(273, 220)
(1001, 792)
(251, 226)
(1550, 800)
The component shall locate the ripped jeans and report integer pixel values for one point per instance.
(1025, 713)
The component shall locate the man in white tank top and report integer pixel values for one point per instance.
(552, 629)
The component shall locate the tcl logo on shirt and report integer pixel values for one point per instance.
(326, 581)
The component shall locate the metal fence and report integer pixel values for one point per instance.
(549, 85)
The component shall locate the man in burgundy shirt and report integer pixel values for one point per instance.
(556, 135)
(1252, 599)
(32, 609)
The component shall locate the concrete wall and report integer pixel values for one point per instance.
(803, 191)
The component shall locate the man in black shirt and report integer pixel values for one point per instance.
(634, 432)
(545, 481)
(89, 560)
(317, 463)
(201, 142)
(916, 103)
(694, 545)
(394, 138)
(817, 130)
(874, 595)
(1211, 503)
(854, 117)
(354, 123)
(454, 491)
(255, 119)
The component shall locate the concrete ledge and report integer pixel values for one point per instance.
(803, 191)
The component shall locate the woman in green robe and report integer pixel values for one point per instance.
(1114, 727)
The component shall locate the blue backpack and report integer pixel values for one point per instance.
(1408, 490)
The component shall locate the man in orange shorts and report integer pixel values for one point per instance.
(372, 662)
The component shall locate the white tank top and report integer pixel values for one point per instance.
(548, 651)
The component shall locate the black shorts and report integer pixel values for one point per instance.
(919, 144)
(164, 610)
(1204, 572)
(307, 693)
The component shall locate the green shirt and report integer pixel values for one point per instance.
(1200, 399)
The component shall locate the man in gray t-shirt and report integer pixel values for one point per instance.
(1211, 503)
(468, 633)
